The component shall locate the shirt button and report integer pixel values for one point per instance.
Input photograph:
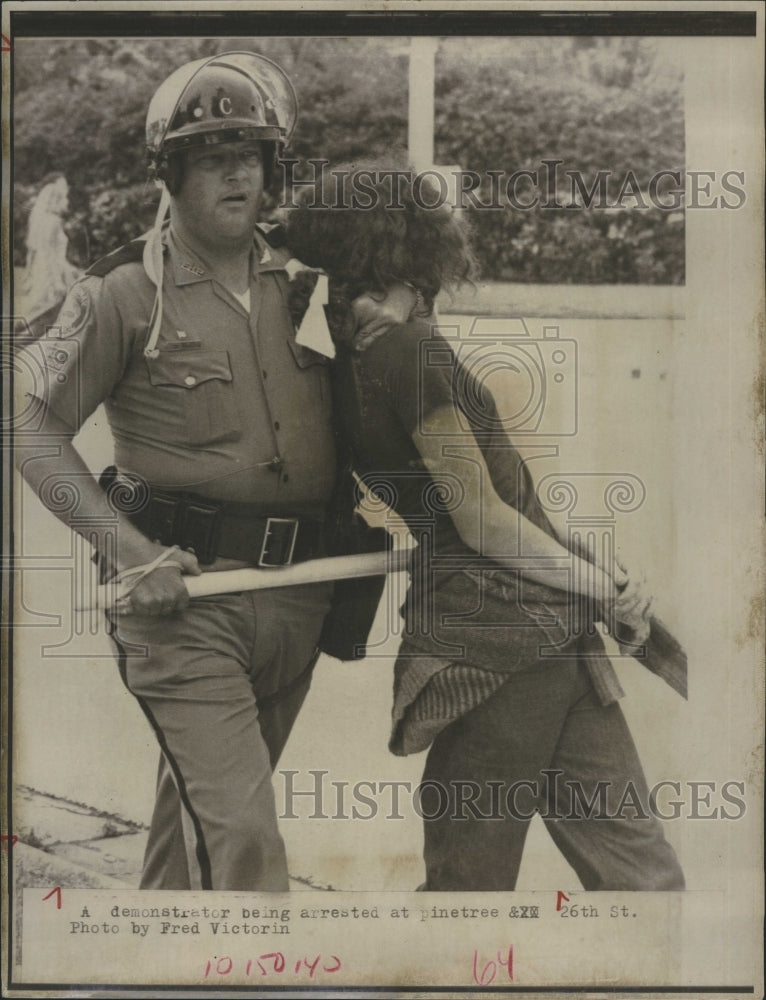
(285, 478)
(276, 425)
(190, 380)
(265, 374)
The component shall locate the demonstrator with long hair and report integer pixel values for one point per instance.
(491, 590)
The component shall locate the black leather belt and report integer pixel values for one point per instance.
(219, 529)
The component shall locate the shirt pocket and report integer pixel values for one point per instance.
(197, 395)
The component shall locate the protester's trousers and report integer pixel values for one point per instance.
(542, 743)
(221, 684)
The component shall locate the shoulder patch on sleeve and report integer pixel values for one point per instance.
(130, 253)
(76, 312)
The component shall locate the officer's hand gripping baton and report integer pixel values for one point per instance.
(311, 571)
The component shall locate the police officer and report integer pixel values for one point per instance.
(222, 422)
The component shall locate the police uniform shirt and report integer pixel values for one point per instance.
(231, 407)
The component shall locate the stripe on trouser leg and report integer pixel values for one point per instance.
(189, 815)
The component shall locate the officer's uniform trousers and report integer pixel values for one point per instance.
(221, 685)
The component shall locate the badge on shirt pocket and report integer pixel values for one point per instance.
(197, 395)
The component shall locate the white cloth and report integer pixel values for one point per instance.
(314, 331)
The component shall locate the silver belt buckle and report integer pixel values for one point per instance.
(271, 522)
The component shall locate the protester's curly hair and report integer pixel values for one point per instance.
(381, 226)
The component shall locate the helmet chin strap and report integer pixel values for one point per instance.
(153, 262)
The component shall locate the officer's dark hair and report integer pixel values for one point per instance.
(171, 168)
(374, 235)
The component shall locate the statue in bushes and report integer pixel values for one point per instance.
(48, 275)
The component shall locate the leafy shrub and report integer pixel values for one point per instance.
(501, 104)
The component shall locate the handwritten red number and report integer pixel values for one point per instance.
(224, 965)
(312, 966)
(279, 961)
(6, 44)
(14, 839)
(507, 962)
(488, 973)
(561, 897)
(57, 893)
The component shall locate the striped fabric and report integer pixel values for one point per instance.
(431, 693)
(453, 691)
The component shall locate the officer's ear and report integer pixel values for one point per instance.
(171, 172)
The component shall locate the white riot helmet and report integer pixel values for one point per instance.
(223, 98)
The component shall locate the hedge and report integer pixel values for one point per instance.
(501, 104)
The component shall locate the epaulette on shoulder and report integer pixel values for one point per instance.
(273, 233)
(130, 253)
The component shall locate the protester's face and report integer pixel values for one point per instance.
(221, 191)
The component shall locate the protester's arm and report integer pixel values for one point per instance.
(633, 591)
(498, 531)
